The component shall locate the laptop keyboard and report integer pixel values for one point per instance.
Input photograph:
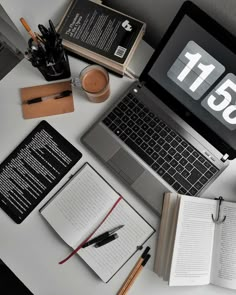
(162, 148)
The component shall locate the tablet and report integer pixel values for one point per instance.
(33, 169)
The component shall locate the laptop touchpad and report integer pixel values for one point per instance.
(126, 166)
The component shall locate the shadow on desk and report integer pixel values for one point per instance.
(10, 284)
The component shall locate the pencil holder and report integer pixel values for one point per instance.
(56, 68)
(50, 59)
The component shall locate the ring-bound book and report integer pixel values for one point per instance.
(100, 34)
(86, 207)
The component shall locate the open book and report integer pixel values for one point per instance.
(79, 208)
(192, 249)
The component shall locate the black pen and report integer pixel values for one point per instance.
(102, 236)
(106, 241)
(52, 28)
(43, 98)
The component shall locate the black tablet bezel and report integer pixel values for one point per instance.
(221, 34)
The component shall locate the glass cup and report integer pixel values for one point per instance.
(94, 81)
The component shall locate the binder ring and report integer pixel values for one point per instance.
(217, 219)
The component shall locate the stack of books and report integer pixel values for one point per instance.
(100, 34)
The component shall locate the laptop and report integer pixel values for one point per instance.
(175, 128)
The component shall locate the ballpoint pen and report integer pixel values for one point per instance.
(43, 98)
(102, 236)
(106, 240)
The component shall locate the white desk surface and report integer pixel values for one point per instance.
(32, 250)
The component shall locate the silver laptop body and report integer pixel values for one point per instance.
(150, 179)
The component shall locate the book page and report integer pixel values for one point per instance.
(224, 254)
(191, 262)
(79, 207)
(108, 259)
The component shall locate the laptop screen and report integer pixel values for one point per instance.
(195, 68)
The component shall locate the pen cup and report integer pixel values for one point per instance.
(56, 69)
(53, 62)
(94, 81)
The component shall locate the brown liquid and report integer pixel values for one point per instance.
(94, 81)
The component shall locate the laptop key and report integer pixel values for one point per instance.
(112, 126)
(180, 168)
(193, 191)
(213, 170)
(107, 121)
(173, 163)
(166, 166)
(207, 164)
(174, 143)
(168, 178)
(139, 151)
(183, 161)
(160, 161)
(171, 171)
(146, 138)
(144, 146)
(168, 158)
(122, 106)
(203, 179)
(176, 186)
(194, 176)
(182, 181)
(189, 167)
(185, 173)
(128, 131)
(155, 166)
(163, 153)
(198, 185)
(182, 191)
(152, 124)
(123, 136)
(157, 148)
(169, 138)
(199, 166)
(154, 156)
(162, 124)
(133, 136)
(157, 129)
(152, 142)
(161, 141)
(155, 136)
(141, 133)
(150, 131)
(160, 171)
(177, 156)
(191, 159)
(208, 174)
(118, 112)
(149, 151)
(138, 141)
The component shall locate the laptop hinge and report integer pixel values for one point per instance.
(225, 157)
